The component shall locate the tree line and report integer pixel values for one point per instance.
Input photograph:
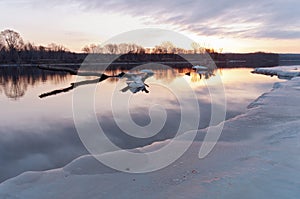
(13, 50)
(165, 47)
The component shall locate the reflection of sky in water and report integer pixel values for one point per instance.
(39, 134)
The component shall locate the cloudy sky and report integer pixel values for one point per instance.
(235, 26)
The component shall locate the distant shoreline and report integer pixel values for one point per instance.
(226, 60)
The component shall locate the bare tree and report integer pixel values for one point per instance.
(41, 48)
(109, 48)
(196, 47)
(57, 48)
(92, 48)
(168, 47)
(140, 49)
(115, 49)
(123, 48)
(13, 43)
(165, 47)
(29, 47)
(157, 50)
(180, 51)
(86, 49)
(12, 39)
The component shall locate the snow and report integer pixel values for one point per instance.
(283, 72)
(257, 156)
(197, 67)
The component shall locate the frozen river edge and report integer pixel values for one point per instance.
(257, 156)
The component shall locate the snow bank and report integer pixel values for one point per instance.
(257, 156)
(283, 72)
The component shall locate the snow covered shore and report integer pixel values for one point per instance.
(257, 156)
(283, 72)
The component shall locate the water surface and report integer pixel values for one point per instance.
(39, 133)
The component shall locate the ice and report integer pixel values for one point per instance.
(283, 72)
(257, 156)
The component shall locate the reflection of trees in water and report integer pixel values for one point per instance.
(114, 73)
(167, 74)
(162, 74)
(195, 77)
(15, 87)
(14, 81)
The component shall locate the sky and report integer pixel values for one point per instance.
(225, 25)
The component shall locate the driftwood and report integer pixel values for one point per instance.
(56, 91)
(73, 85)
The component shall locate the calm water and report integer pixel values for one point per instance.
(39, 133)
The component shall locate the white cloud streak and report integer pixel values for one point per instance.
(277, 19)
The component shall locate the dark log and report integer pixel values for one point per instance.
(74, 85)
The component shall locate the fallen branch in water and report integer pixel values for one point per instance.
(73, 85)
(101, 76)
(56, 91)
